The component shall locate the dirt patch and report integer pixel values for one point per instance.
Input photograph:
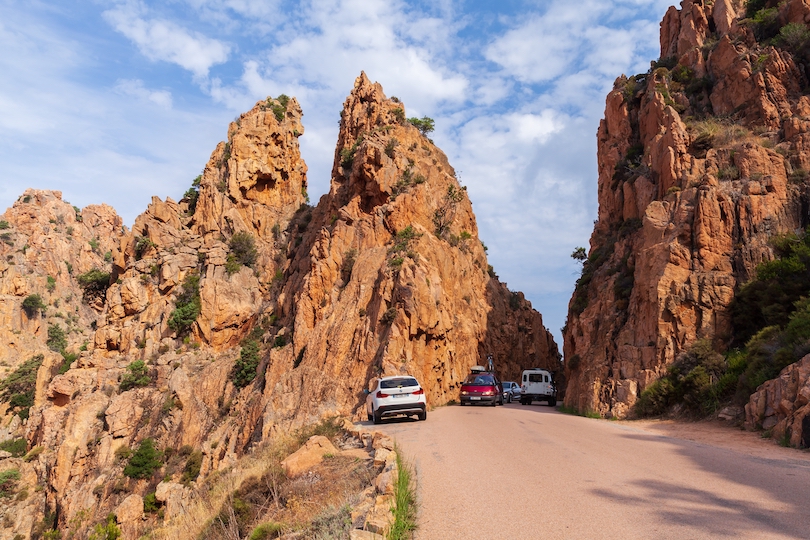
(720, 434)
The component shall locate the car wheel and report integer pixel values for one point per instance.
(552, 402)
(494, 403)
(461, 403)
(377, 417)
(422, 416)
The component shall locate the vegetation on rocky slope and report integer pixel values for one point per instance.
(771, 316)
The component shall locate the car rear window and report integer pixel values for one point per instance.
(399, 382)
(482, 380)
(537, 377)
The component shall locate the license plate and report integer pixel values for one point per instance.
(400, 395)
(475, 398)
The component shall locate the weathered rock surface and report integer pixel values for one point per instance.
(782, 406)
(699, 166)
(385, 276)
(308, 455)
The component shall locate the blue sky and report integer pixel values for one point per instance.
(116, 101)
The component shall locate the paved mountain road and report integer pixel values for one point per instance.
(530, 472)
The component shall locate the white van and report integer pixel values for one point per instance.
(537, 385)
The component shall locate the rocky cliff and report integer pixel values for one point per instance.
(702, 160)
(240, 311)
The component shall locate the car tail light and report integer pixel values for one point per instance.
(419, 392)
(381, 395)
(487, 392)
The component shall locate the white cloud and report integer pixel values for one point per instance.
(136, 88)
(164, 40)
(516, 109)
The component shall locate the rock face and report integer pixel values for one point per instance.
(782, 406)
(385, 276)
(701, 162)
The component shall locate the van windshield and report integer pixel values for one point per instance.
(480, 380)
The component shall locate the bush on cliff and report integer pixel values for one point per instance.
(243, 252)
(244, 369)
(187, 306)
(425, 125)
(144, 461)
(33, 304)
(18, 388)
(771, 317)
(137, 375)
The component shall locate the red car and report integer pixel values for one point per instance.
(482, 388)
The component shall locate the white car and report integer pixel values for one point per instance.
(538, 385)
(396, 395)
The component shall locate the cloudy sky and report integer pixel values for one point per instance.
(116, 101)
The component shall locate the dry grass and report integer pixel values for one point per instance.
(231, 503)
(721, 133)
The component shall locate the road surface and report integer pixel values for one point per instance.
(531, 472)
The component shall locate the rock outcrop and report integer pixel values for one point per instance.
(701, 160)
(240, 311)
(782, 406)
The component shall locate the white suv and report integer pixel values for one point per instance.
(397, 395)
(538, 385)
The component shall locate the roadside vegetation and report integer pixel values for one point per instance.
(257, 500)
(771, 318)
(404, 501)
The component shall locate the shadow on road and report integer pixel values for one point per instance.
(722, 516)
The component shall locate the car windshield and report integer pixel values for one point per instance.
(398, 382)
(480, 380)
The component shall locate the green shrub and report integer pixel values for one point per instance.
(16, 447)
(4, 225)
(18, 388)
(265, 531)
(51, 283)
(137, 376)
(699, 379)
(794, 37)
(764, 23)
(94, 282)
(399, 115)
(8, 482)
(187, 305)
(278, 106)
(192, 468)
(150, 503)
(57, 340)
(144, 461)
(390, 146)
(67, 360)
(107, 531)
(244, 369)
(142, 245)
(425, 125)
(33, 304)
(347, 154)
(243, 249)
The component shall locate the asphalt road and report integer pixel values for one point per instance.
(531, 472)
